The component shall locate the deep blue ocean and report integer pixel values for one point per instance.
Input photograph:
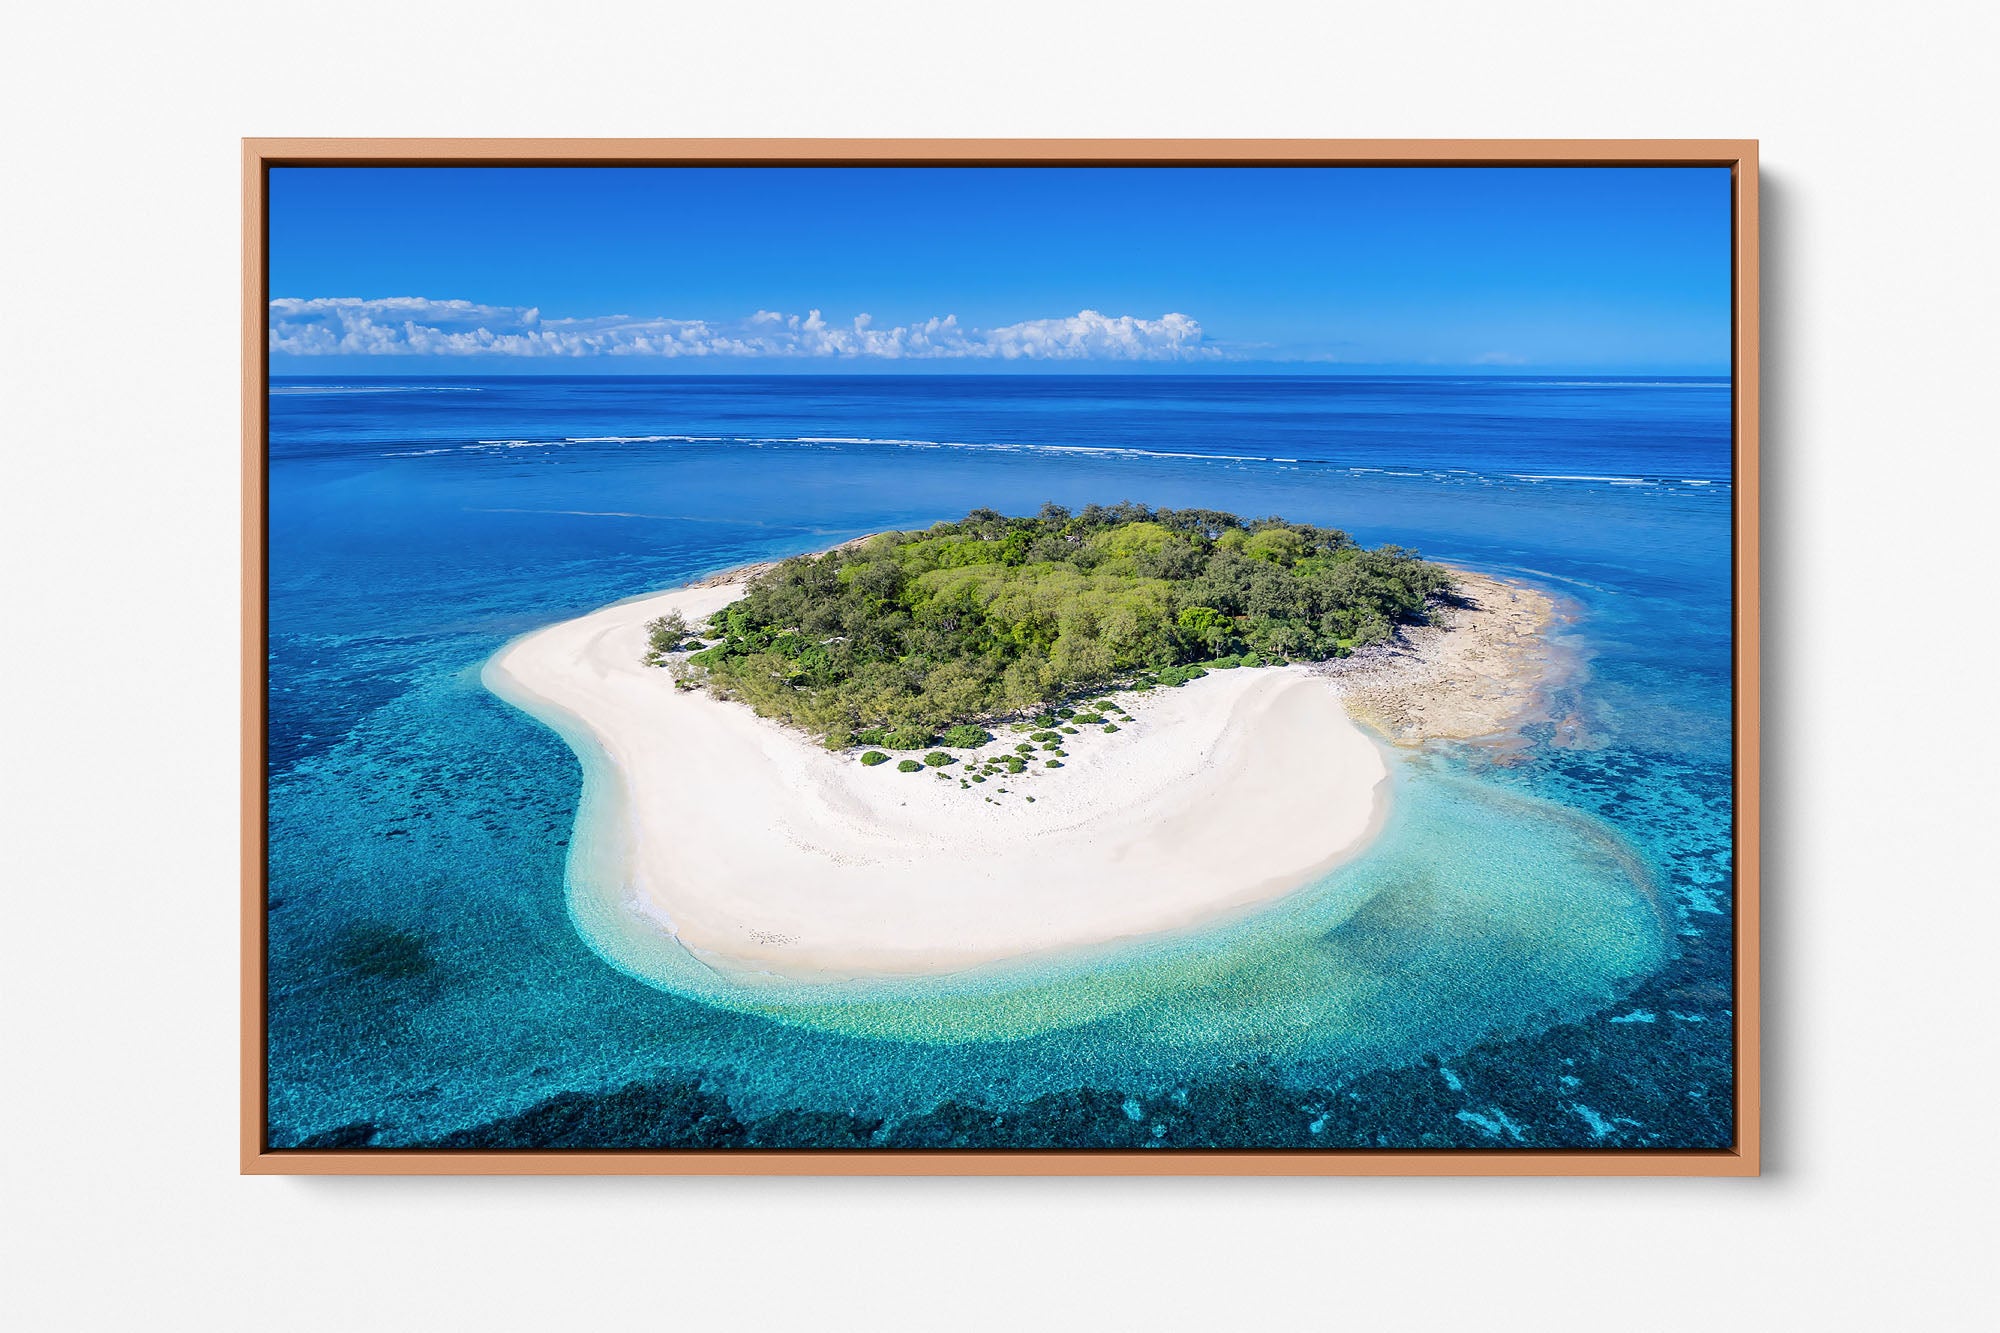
(1545, 954)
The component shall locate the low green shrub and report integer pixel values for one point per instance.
(1046, 736)
(908, 738)
(1180, 675)
(1055, 744)
(965, 736)
(872, 736)
(1016, 764)
(908, 766)
(1110, 727)
(874, 757)
(938, 759)
(1067, 731)
(1025, 747)
(1053, 763)
(710, 657)
(1088, 719)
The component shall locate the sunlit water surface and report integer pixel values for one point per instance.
(432, 967)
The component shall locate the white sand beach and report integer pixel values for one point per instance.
(765, 853)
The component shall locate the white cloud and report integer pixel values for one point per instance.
(418, 326)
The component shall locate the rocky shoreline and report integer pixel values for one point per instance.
(1477, 674)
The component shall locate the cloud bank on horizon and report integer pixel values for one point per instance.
(420, 326)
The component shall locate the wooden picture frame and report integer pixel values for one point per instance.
(1738, 156)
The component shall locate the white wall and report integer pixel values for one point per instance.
(119, 492)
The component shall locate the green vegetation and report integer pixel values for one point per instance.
(911, 634)
(874, 757)
(908, 766)
(669, 633)
(938, 759)
(896, 738)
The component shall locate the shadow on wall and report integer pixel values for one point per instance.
(1779, 536)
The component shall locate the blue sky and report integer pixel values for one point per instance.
(733, 270)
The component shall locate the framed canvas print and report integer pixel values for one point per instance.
(984, 657)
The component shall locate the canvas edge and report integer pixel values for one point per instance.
(1739, 155)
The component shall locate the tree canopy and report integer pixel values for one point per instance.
(993, 616)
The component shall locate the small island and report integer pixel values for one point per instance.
(921, 752)
(906, 634)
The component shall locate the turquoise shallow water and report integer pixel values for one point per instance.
(1481, 911)
(1548, 929)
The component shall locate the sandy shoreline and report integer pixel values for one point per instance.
(764, 854)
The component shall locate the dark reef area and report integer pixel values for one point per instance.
(1604, 1082)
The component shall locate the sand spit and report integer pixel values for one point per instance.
(765, 853)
